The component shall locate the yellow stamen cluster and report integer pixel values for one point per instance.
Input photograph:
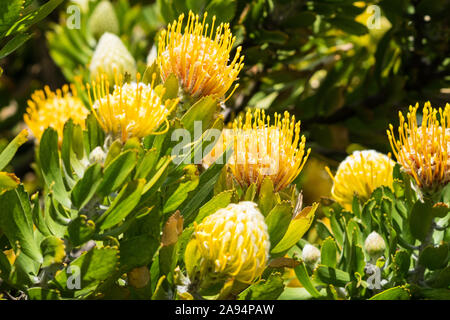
(198, 57)
(53, 109)
(261, 149)
(360, 174)
(131, 110)
(423, 150)
(231, 243)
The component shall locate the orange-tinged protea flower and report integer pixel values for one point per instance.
(360, 174)
(53, 109)
(230, 243)
(423, 150)
(261, 149)
(131, 110)
(198, 57)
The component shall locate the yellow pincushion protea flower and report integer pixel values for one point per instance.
(423, 151)
(261, 149)
(131, 110)
(231, 243)
(198, 57)
(53, 109)
(360, 174)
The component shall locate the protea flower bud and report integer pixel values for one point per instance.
(311, 255)
(103, 19)
(111, 58)
(131, 110)
(97, 155)
(53, 109)
(374, 245)
(423, 150)
(232, 243)
(360, 174)
(199, 58)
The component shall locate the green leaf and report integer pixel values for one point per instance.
(80, 230)
(8, 181)
(160, 170)
(148, 77)
(117, 172)
(122, 205)
(278, 221)
(53, 251)
(297, 228)
(95, 134)
(146, 164)
(180, 195)
(14, 44)
(349, 26)
(17, 224)
(9, 13)
(219, 201)
(224, 10)
(137, 251)
(201, 112)
(421, 219)
(85, 188)
(266, 197)
(269, 289)
(401, 263)
(434, 257)
(5, 266)
(332, 276)
(197, 197)
(8, 153)
(50, 166)
(37, 293)
(328, 253)
(94, 266)
(171, 85)
(302, 276)
(396, 293)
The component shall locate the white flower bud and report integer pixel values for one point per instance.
(374, 245)
(110, 57)
(97, 155)
(311, 255)
(103, 19)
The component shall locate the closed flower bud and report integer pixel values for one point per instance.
(97, 155)
(103, 19)
(374, 245)
(232, 243)
(311, 255)
(112, 59)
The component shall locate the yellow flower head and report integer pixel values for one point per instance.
(231, 243)
(53, 109)
(360, 174)
(198, 57)
(131, 110)
(423, 150)
(261, 149)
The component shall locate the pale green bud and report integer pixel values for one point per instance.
(103, 19)
(110, 57)
(311, 255)
(97, 155)
(374, 245)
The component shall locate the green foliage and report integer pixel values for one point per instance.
(106, 208)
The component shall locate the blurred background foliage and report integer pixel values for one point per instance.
(343, 67)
